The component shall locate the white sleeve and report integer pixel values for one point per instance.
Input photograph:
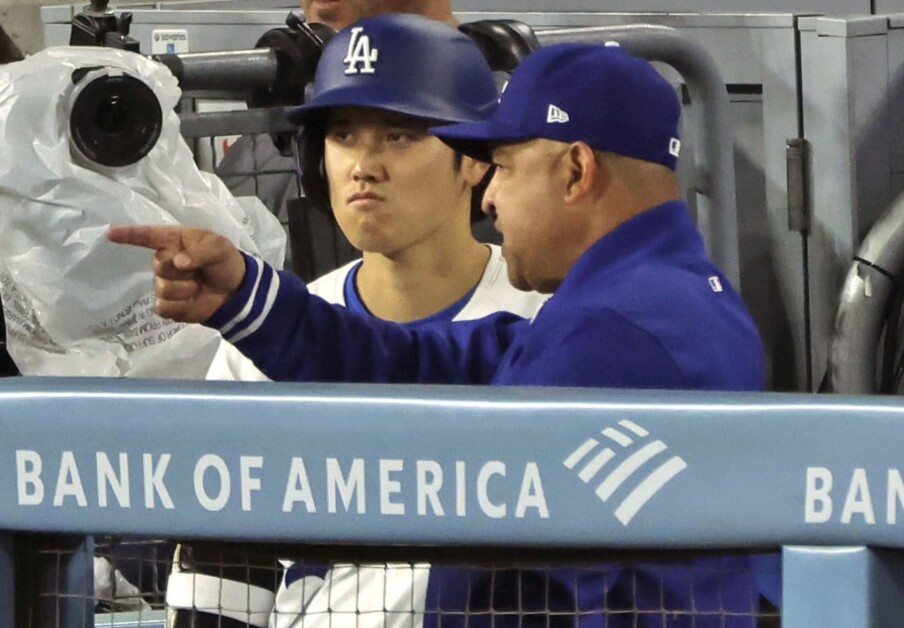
(389, 595)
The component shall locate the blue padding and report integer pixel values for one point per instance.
(433, 464)
(842, 587)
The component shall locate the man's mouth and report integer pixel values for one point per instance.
(364, 197)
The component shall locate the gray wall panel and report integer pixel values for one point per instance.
(846, 119)
(837, 7)
(888, 6)
(779, 306)
(895, 100)
(732, 40)
(827, 127)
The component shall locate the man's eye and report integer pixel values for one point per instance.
(338, 135)
(404, 136)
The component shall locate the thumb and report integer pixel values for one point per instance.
(212, 256)
(201, 248)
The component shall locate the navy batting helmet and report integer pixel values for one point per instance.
(402, 63)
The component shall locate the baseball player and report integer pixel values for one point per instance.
(274, 179)
(400, 195)
(365, 142)
(585, 144)
(405, 199)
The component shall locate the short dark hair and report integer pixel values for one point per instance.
(312, 171)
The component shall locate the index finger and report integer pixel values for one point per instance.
(148, 236)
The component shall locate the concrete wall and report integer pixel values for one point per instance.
(22, 21)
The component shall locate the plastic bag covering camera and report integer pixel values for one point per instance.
(75, 303)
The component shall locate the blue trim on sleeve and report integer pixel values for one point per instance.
(300, 570)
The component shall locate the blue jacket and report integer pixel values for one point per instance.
(644, 307)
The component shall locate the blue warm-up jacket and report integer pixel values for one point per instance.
(644, 307)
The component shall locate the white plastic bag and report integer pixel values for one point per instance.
(113, 591)
(74, 303)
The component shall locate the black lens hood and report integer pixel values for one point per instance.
(115, 119)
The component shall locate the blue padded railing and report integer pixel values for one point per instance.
(525, 467)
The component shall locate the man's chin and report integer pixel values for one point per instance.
(517, 279)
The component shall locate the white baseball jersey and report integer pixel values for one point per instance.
(493, 293)
(383, 595)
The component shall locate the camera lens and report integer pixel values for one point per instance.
(115, 119)
(112, 116)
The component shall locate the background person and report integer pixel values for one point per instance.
(585, 144)
(338, 14)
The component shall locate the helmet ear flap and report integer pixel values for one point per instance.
(313, 172)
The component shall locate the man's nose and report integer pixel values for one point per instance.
(368, 164)
(488, 202)
(362, 172)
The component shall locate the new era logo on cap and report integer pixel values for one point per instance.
(674, 146)
(556, 115)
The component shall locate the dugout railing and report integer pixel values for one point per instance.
(525, 473)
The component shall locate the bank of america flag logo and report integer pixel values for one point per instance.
(626, 456)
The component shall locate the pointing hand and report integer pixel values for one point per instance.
(195, 271)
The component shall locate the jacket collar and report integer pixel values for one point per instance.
(663, 231)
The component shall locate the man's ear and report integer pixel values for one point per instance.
(583, 170)
(473, 170)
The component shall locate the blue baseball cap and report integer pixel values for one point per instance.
(600, 95)
(407, 64)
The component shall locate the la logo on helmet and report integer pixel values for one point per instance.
(360, 53)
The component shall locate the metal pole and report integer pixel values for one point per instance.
(239, 70)
(865, 296)
(7, 581)
(63, 581)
